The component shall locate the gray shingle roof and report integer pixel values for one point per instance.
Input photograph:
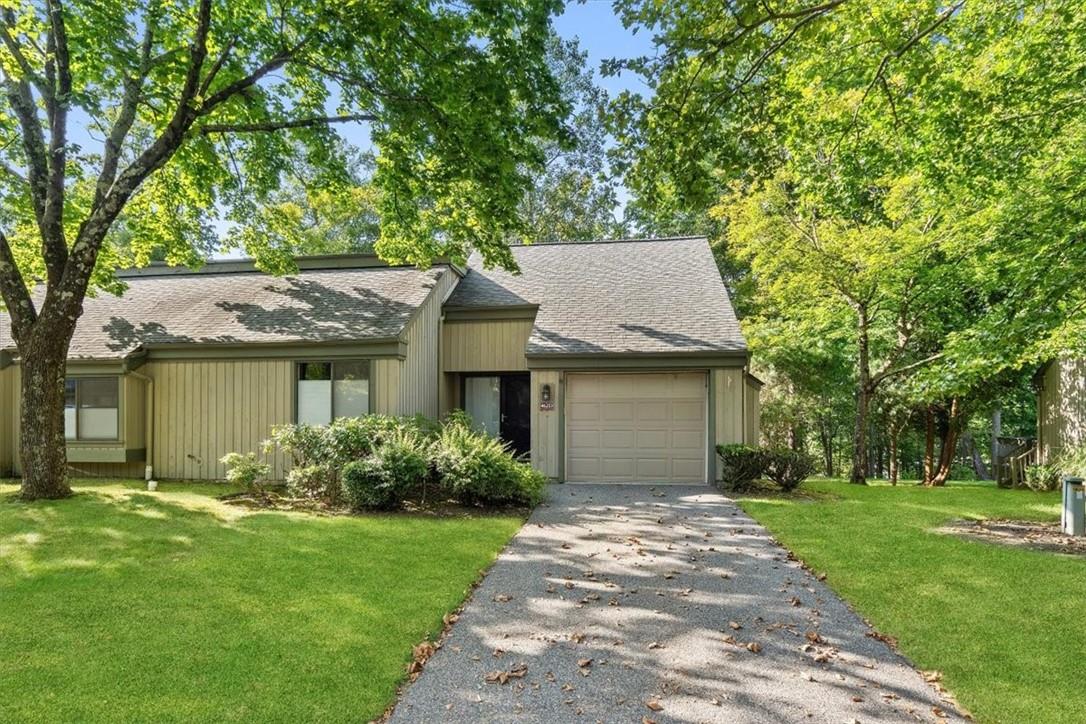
(326, 305)
(637, 296)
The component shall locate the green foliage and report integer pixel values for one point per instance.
(246, 471)
(741, 465)
(320, 452)
(1042, 478)
(788, 468)
(397, 465)
(1072, 462)
(478, 469)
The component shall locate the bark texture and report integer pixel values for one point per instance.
(42, 445)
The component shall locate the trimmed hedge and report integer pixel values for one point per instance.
(742, 465)
(478, 469)
(396, 466)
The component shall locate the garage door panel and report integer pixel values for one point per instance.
(686, 440)
(648, 427)
(617, 412)
(619, 439)
(584, 439)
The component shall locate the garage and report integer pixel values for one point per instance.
(644, 427)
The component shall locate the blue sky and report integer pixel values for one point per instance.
(601, 33)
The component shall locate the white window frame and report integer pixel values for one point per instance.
(79, 438)
(332, 379)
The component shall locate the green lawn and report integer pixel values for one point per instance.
(1007, 627)
(123, 605)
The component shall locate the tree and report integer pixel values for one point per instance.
(203, 105)
(575, 197)
(970, 112)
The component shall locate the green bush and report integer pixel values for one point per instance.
(244, 470)
(394, 468)
(479, 470)
(1042, 478)
(1072, 463)
(741, 465)
(319, 453)
(788, 468)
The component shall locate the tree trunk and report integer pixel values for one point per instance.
(950, 445)
(858, 476)
(825, 436)
(895, 432)
(42, 443)
(974, 452)
(929, 445)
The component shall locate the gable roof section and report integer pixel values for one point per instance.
(640, 297)
(341, 305)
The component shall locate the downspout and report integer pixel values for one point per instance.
(148, 422)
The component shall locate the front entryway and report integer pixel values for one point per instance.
(500, 405)
(645, 427)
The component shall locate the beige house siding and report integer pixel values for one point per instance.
(486, 345)
(1061, 407)
(728, 406)
(546, 432)
(752, 413)
(205, 409)
(414, 384)
(7, 421)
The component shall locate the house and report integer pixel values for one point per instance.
(603, 361)
(1061, 407)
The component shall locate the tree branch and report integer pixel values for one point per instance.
(272, 126)
(14, 293)
(886, 374)
(54, 245)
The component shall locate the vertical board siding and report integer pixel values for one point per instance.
(420, 373)
(729, 406)
(386, 388)
(546, 428)
(486, 346)
(752, 415)
(1061, 407)
(205, 409)
(7, 421)
(135, 412)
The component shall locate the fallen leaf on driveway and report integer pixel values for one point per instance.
(503, 598)
(654, 704)
(656, 645)
(754, 647)
(932, 676)
(584, 662)
(814, 637)
(734, 625)
(795, 601)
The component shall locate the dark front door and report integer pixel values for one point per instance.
(500, 405)
(516, 412)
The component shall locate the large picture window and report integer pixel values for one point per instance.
(91, 408)
(328, 390)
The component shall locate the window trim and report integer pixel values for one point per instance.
(77, 440)
(332, 362)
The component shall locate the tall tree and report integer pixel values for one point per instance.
(203, 104)
(827, 110)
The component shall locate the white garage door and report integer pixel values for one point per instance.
(636, 427)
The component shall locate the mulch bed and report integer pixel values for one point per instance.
(1018, 533)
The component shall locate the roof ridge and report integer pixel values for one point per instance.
(629, 240)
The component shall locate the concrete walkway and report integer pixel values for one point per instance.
(620, 603)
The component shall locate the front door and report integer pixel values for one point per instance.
(500, 405)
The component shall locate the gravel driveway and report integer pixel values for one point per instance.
(620, 603)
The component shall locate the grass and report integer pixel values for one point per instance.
(123, 605)
(1007, 627)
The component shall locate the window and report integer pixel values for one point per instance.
(327, 390)
(91, 406)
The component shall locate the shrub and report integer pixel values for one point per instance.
(788, 468)
(244, 470)
(1072, 463)
(320, 452)
(1042, 477)
(740, 465)
(394, 468)
(477, 469)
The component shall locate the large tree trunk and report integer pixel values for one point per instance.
(950, 445)
(42, 444)
(858, 476)
(825, 436)
(895, 433)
